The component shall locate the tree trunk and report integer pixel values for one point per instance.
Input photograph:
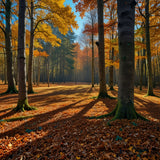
(149, 65)
(126, 18)
(38, 79)
(102, 78)
(141, 72)
(48, 70)
(22, 94)
(5, 71)
(11, 84)
(30, 68)
(92, 52)
(111, 70)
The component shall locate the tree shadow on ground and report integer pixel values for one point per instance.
(10, 113)
(42, 118)
(148, 106)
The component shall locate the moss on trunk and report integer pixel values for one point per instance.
(23, 105)
(105, 95)
(122, 111)
(31, 91)
(11, 90)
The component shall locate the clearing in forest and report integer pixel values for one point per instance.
(60, 128)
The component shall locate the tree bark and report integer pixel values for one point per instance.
(22, 94)
(8, 47)
(111, 70)
(149, 65)
(92, 51)
(30, 62)
(102, 78)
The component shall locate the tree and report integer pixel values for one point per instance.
(90, 29)
(150, 80)
(102, 80)
(6, 9)
(126, 18)
(22, 94)
(149, 10)
(49, 12)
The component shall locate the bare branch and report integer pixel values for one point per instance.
(140, 11)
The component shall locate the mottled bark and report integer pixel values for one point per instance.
(102, 79)
(8, 47)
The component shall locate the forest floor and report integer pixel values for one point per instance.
(60, 129)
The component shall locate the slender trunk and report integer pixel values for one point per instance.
(38, 80)
(30, 68)
(111, 70)
(5, 71)
(92, 53)
(149, 65)
(145, 76)
(141, 72)
(102, 78)
(8, 47)
(48, 71)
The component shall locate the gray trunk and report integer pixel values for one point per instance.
(102, 79)
(30, 68)
(8, 47)
(149, 65)
(92, 52)
(111, 70)
(126, 17)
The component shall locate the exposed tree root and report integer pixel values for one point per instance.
(10, 91)
(23, 105)
(16, 119)
(122, 111)
(105, 95)
(151, 95)
(31, 92)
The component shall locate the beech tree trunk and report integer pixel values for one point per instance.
(102, 77)
(30, 65)
(149, 65)
(22, 94)
(8, 47)
(126, 18)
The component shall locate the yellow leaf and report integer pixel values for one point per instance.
(38, 155)
(78, 157)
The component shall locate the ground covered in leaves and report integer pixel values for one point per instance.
(60, 129)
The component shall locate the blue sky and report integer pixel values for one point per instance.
(78, 18)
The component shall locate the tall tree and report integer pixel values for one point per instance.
(8, 46)
(22, 94)
(54, 12)
(102, 79)
(126, 18)
(90, 29)
(149, 65)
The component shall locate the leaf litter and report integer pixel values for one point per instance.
(59, 128)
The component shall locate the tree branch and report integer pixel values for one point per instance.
(3, 30)
(41, 20)
(140, 11)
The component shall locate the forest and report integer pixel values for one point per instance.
(69, 93)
